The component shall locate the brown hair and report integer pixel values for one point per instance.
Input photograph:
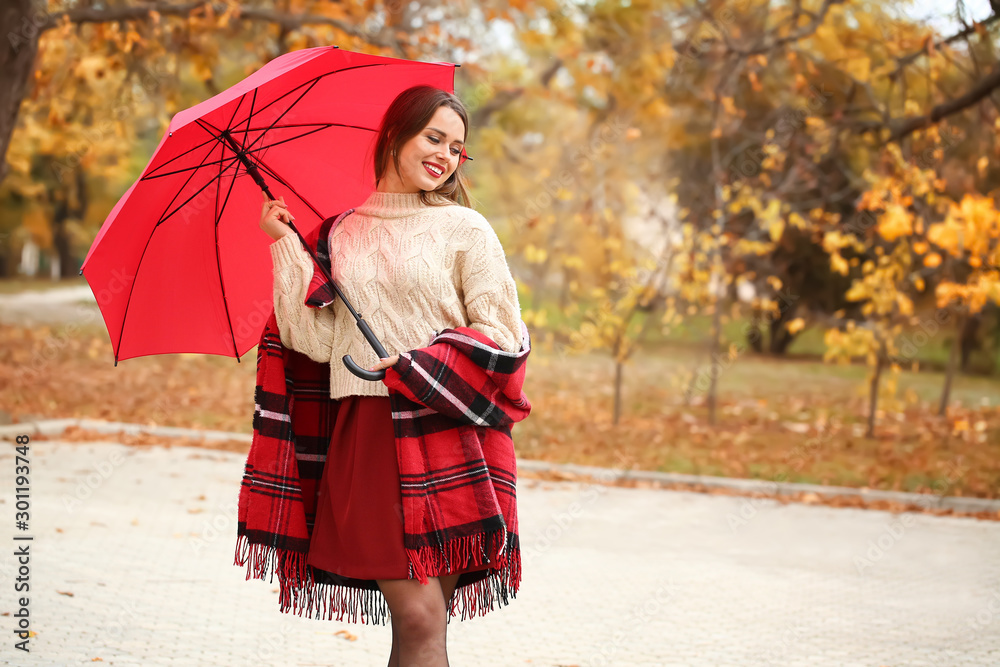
(408, 114)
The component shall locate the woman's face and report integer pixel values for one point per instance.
(430, 157)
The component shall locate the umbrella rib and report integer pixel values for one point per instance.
(213, 138)
(290, 107)
(181, 171)
(309, 83)
(237, 109)
(176, 157)
(164, 216)
(317, 127)
(218, 258)
(328, 125)
(274, 174)
(199, 191)
(285, 127)
(306, 134)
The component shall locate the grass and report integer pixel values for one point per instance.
(795, 420)
(694, 331)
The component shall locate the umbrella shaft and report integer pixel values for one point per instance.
(250, 166)
(255, 174)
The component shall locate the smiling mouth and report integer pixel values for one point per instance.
(432, 170)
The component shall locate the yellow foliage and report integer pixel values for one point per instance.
(534, 254)
(91, 68)
(770, 217)
(838, 264)
(828, 43)
(833, 241)
(895, 222)
(980, 289)
(37, 224)
(972, 226)
(842, 346)
(904, 303)
(491, 141)
(534, 318)
(795, 325)
(860, 68)
(730, 107)
(858, 291)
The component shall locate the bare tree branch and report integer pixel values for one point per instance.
(806, 31)
(906, 60)
(904, 126)
(504, 97)
(146, 12)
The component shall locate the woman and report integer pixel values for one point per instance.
(413, 259)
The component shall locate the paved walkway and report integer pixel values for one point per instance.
(59, 305)
(132, 556)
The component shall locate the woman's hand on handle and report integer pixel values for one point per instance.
(274, 218)
(385, 363)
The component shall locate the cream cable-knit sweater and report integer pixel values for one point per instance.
(409, 270)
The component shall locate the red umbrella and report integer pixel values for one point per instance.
(180, 264)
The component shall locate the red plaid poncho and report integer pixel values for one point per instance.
(453, 406)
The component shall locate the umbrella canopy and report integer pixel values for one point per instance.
(181, 264)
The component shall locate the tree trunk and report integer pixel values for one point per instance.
(689, 390)
(564, 293)
(618, 392)
(873, 391)
(60, 239)
(969, 332)
(17, 60)
(651, 318)
(70, 204)
(780, 337)
(714, 353)
(754, 334)
(956, 344)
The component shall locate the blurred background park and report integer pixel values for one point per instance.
(752, 238)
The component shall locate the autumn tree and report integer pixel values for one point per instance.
(131, 67)
(970, 236)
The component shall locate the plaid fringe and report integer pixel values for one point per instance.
(301, 594)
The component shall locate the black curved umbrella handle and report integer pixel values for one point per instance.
(379, 350)
(361, 372)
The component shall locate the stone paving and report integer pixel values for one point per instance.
(132, 564)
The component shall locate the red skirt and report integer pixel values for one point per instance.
(358, 529)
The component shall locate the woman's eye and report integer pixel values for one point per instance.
(454, 151)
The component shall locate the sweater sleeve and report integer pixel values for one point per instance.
(490, 291)
(303, 328)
